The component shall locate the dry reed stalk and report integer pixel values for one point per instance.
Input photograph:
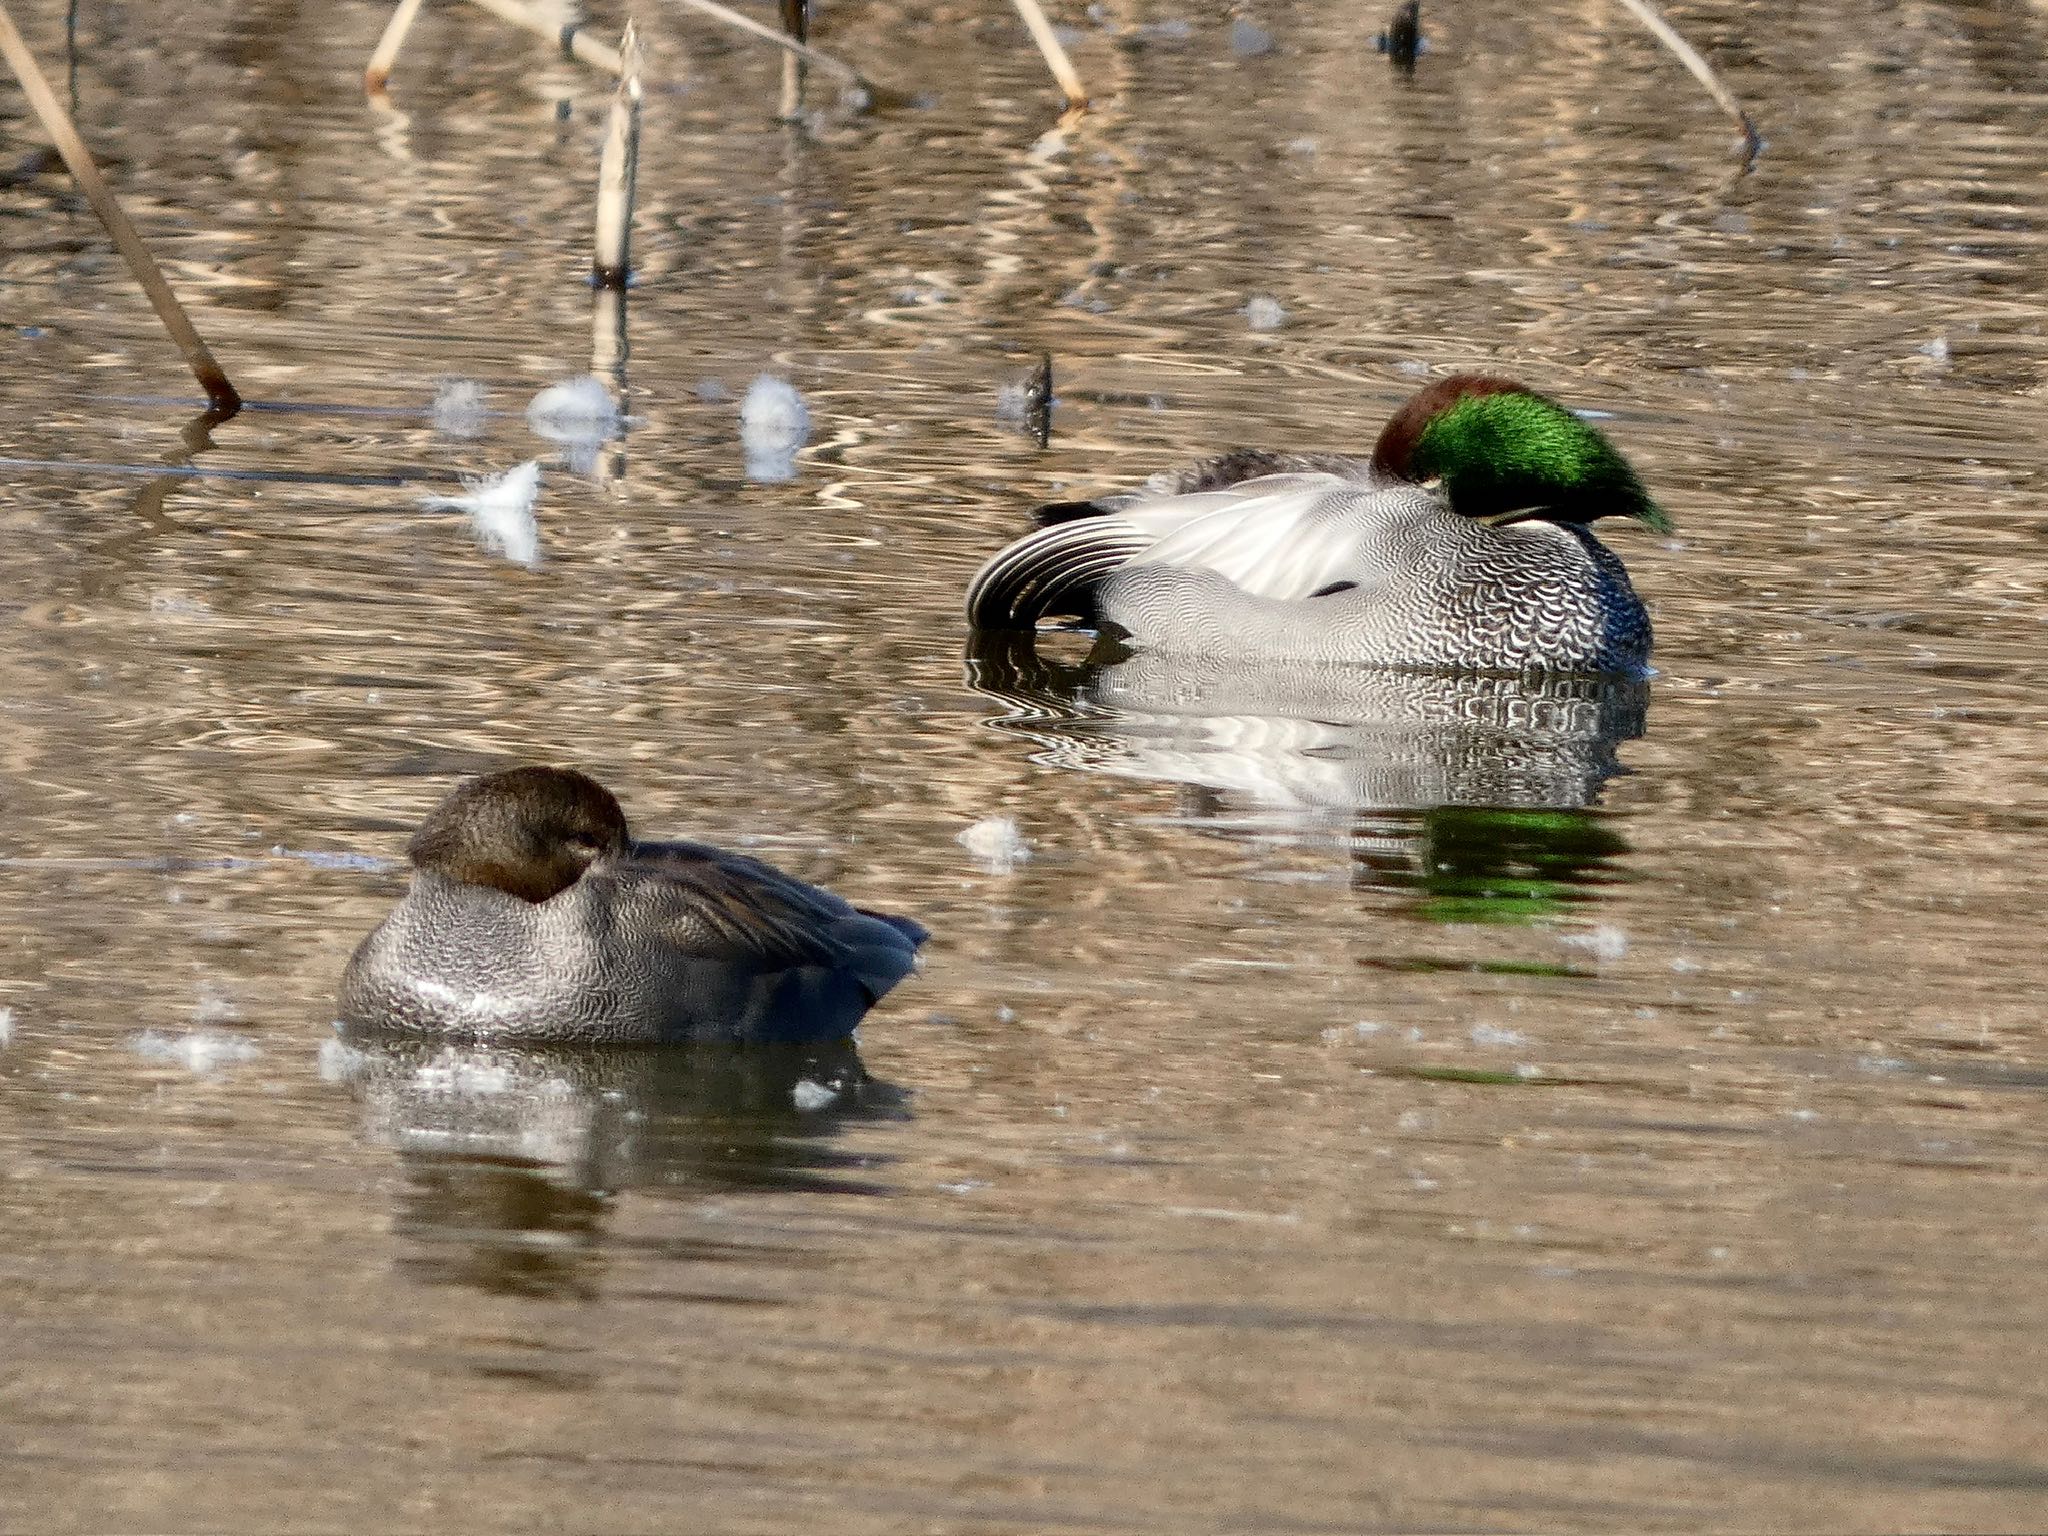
(385, 59)
(846, 72)
(1056, 58)
(579, 44)
(796, 23)
(225, 399)
(616, 170)
(1702, 71)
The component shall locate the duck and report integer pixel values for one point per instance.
(1464, 541)
(533, 914)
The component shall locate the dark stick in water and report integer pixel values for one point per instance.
(1038, 401)
(1403, 38)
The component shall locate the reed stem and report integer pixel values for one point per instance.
(576, 42)
(846, 72)
(1056, 58)
(1702, 71)
(385, 59)
(617, 170)
(796, 23)
(226, 400)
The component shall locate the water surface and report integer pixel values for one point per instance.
(1365, 1109)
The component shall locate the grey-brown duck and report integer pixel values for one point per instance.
(533, 914)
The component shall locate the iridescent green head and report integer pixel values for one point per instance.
(1505, 453)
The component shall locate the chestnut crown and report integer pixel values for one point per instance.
(1503, 452)
(530, 832)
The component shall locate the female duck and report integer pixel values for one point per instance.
(1464, 541)
(534, 915)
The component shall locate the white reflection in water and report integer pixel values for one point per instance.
(200, 1052)
(1307, 739)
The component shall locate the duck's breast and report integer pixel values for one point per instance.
(1538, 595)
(462, 959)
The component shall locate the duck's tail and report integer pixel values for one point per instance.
(1051, 573)
(879, 948)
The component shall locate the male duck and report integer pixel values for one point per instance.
(1465, 541)
(534, 915)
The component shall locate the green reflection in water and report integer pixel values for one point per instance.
(1476, 864)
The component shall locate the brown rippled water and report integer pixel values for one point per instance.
(1592, 1124)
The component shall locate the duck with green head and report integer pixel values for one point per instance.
(1464, 541)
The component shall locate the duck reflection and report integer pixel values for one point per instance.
(513, 1154)
(1471, 791)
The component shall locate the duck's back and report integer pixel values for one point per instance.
(741, 950)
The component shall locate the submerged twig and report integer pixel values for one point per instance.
(56, 122)
(574, 41)
(386, 57)
(1702, 71)
(616, 170)
(1056, 58)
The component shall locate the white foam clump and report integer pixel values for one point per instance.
(1263, 312)
(574, 410)
(997, 842)
(459, 408)
(774, 424)
(500, 511)
(1604, 941)
(809, 1096)
(200, 1051)
(6, 1028)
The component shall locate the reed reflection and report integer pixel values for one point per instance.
(513, 1154)
(1471, 791)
